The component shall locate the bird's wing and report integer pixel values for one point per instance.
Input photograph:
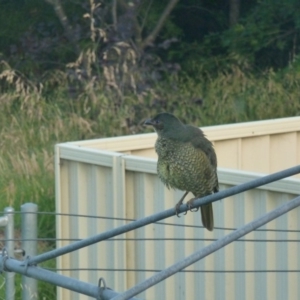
(199, 141)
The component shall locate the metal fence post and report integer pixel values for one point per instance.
(29, 245)
(10, 247)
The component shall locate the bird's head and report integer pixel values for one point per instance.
(166, 125)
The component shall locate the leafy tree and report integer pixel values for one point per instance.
(268, 36)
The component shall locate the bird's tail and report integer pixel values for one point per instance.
(207, 216)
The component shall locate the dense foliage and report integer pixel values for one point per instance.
(266, 33)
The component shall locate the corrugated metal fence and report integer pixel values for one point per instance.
(245, 269)
(116, 178)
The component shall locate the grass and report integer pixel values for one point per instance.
(32, 122)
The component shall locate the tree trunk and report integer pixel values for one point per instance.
(234, 12)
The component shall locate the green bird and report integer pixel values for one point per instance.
(186, 161)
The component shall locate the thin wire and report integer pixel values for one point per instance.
(130, 220)
(71, 215)
(182, 271)
(153, 239)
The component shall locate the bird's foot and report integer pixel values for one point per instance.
(177, 209)
(190, 204)
(178, 205)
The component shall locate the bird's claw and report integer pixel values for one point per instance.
(178, 205)
(194, 209)
(177, 210)
(190, 204)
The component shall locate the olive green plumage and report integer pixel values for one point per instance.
(186, 160)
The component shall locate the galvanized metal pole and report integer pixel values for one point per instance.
(238, 233)
(29, 245)
(10, 247)
(72, 284)
(3, 221)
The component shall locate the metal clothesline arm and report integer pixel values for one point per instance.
(162, 215)
(243, 230)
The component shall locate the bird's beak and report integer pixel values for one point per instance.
(148, 122)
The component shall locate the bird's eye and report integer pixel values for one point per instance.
(156, 121)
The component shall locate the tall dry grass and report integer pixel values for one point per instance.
(31, 122)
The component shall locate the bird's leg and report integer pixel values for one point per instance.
(190, 204)
(179, 203)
